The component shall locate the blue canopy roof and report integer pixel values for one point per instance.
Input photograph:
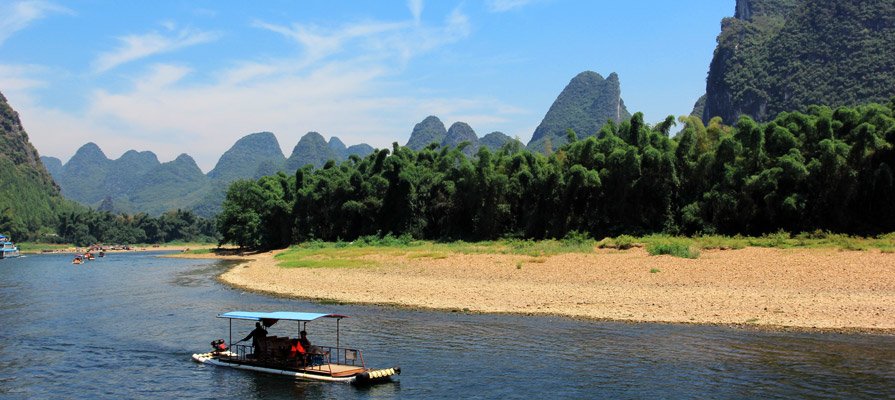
(278, 315)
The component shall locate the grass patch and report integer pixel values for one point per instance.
(621, 242)
(680, 249)
(326, 263)
(34, 247)
(358, 253)
(200, 251)
(655, 271)
(428, 254)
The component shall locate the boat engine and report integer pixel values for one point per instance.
(219, 345)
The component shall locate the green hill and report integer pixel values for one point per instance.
(251, 157)
(785, 55)
(311, 149)
(496, 140)
(178, 184)
(429, 130)
(460, 132)
(29, 199)
(360, 150)
(584, 105)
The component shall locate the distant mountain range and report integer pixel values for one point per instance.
(138, 182)
(772, 56)
(431, 130)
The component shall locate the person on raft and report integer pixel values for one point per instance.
(257, 335)
(304, 341)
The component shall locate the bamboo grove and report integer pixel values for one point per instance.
(824, 169)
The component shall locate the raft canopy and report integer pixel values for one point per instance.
(278, 315)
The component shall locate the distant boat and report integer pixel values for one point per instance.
(8, 249)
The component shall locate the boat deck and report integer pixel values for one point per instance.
(333, 369)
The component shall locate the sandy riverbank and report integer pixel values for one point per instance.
(813, 289)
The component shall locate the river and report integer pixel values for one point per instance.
(124, 326)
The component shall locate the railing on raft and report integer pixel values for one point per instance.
(317, 358)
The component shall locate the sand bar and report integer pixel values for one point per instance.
(804, 289)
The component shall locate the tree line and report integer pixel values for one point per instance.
(825, 169)
(85, 227)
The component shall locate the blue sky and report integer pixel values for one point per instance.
(193, 77)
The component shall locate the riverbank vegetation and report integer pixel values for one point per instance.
(85, 227)
(807, 173)
(363, 251)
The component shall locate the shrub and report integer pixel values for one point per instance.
(624, 242)
(675, 249)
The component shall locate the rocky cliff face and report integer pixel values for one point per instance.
(784, 55)
(15, 146)
(584, 105)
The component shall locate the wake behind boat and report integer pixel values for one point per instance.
(293, 356)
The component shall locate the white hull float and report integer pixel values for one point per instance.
(284, 356)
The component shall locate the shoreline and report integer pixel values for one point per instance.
(82, 250)
(806, 290)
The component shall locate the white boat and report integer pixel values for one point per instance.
(8, 249)
(286, 356)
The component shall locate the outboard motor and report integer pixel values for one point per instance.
(219, 345)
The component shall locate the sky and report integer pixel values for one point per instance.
(193, 77)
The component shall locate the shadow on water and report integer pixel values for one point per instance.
(125, 326)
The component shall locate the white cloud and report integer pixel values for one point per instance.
(507, 5)
(134, 47)
(416, 9)
(374, 39)
(18, 15)
(340, 85)
(20, 78)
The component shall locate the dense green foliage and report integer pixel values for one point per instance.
(785, 55)
(28, 207)
(824, 170)
(28, 197)
(85, 227)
